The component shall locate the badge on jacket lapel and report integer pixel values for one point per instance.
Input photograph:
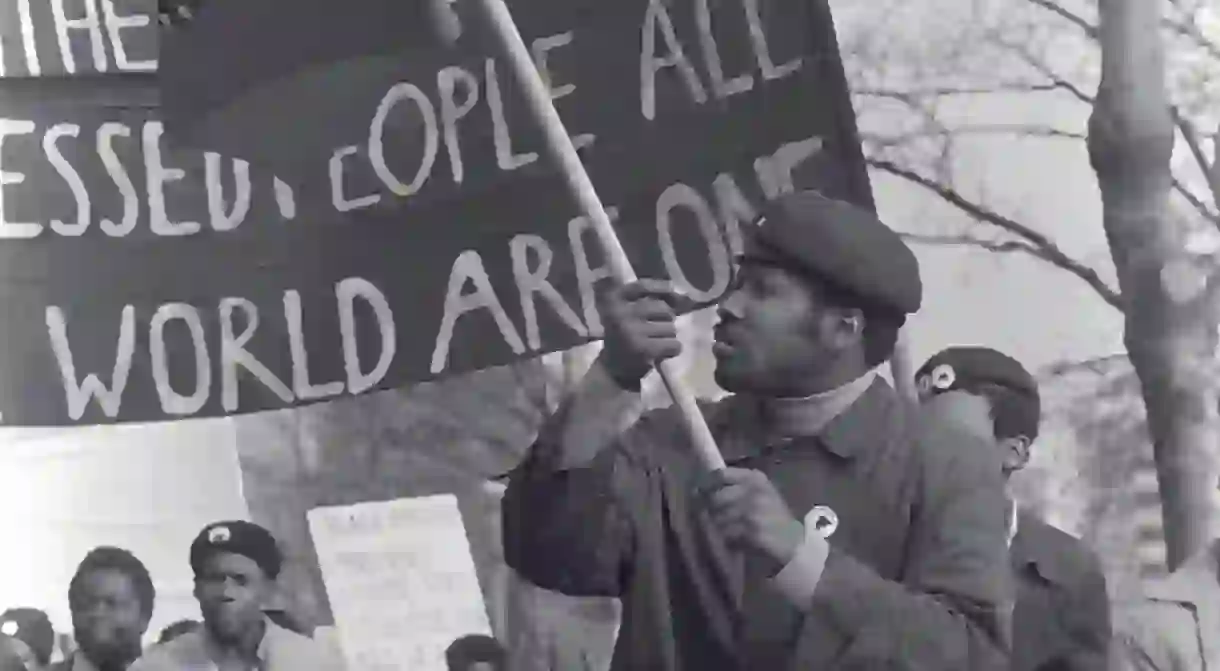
(823, 521)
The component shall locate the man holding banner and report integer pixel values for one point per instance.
(900, 561)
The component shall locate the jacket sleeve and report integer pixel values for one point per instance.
(952, 611)
(1087, 620)
(571, 530)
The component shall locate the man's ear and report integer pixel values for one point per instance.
(848, 327)
(1016, 452)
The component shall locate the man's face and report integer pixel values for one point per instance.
(969, 412)
(776, 336)
(231, 590)
(107, 616)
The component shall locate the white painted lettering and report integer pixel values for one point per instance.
(172, 402)
(14, 229)
(114, 25)
(79, 394)
(337, 196)
(233, 353)
(222, 220)
(28, 38)
(90, 22)
(587, 276)
(762, 52)
(505, 158)
(110, 159)
(398, 93)
(301, 385)
(449, 80)
(531, 282)
(541, 49)
(682, 195)
(657, 18)
(735, 209)
(158, 176)
(469, 268)
(285, 200)
(72, 178)
(711, 55)
(784, 161)
(347, 292)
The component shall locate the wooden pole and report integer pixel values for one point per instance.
(560, 146)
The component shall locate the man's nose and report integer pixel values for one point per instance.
(730, 306)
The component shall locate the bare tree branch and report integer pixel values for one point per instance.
(972, 129)
(1191, 136)
(1075, 19)
(945, 91)
(1190, 31)
(1043, 69)
(1040, 246)
(996, 246)
(1099, 365)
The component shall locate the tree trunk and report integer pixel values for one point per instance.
(1170, 338)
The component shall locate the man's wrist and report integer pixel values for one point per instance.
(798, 579)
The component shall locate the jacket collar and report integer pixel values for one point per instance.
(864, 423)
(1033, 547)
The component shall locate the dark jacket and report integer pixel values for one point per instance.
(917, 578)
(1062, 617)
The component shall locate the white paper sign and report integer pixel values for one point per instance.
(401, 581)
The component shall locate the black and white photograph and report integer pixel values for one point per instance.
(610, 335)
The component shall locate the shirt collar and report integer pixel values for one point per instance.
(809, 416)
(271, 633)
(859, 417)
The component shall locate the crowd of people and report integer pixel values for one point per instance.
(850, 527)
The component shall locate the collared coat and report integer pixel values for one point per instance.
(1176, 627)
(1062, 617)
(917, 578)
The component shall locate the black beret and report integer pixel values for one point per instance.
(240, 538)
(843, 244)
(965, 368)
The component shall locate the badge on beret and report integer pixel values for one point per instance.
(943, 377)
(823, 521)
(219, 535)
(9, 628)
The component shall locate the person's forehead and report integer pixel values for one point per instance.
(232, 563)
(107, 579)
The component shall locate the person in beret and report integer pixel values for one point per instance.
(32, 627)
(476, 652)
(1062, 615)
(236, 565)
(846, 532)
(111, 597)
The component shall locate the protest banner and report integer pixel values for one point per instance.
(50, 38)
(401, 581)
(416, 232)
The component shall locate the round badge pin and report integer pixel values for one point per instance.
(823, 521)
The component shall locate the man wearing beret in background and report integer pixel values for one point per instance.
(1062, 616)
(236, 565)
(846, 532)
(32, 627)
